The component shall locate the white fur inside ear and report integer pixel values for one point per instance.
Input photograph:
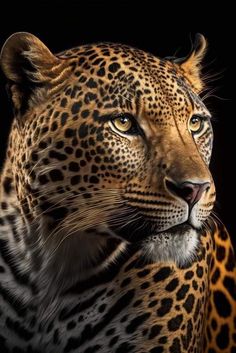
(180, 248)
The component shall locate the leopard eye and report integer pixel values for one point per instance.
(195, 123)
(123, 123)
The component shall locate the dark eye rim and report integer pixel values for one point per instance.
(202, 118)
(135, 128)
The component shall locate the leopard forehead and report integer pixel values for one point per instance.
(115, 76)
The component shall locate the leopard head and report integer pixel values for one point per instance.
(109, 146)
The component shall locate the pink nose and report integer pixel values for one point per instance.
(188, 191)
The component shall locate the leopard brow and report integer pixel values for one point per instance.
(204, 116)
(113, 115)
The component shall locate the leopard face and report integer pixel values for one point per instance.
(114, 148)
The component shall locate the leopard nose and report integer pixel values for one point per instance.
(188, 191)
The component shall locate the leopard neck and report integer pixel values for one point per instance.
(26, 254)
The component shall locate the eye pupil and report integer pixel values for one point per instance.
(123, 120)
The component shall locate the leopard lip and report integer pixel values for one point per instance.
(137, 233)
(179, 229)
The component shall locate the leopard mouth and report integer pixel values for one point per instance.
(179, 229)
(144, 229)
(177, 244)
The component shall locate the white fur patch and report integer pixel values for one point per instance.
(168, 246)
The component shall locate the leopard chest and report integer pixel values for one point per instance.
(143, 308)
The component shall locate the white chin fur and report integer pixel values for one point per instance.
(180, 248)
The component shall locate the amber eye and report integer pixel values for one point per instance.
(195, 123)
(123, 123)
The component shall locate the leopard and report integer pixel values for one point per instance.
(109, 241)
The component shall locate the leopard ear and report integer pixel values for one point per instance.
(191, 64)
(30, 68)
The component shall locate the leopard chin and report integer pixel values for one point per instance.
(178, 244)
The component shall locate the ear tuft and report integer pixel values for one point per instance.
(191, 64)
(199, 46)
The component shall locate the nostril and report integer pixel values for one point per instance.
(188, 191)
(172, 187)
(185, 192)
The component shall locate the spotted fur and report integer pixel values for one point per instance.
(107, 242)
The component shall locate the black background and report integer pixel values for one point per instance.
(152, 26)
